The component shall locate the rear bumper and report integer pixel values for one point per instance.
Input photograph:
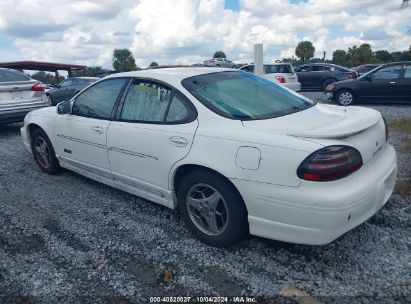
(7, 117)
(295, 86)
(318, 213)
(17, 112)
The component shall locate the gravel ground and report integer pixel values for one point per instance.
(69, 239)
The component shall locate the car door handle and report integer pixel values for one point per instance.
(97, 129)
(178, 141)
(392, 82)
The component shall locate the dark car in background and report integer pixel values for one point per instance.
(19, 94)
(68, 88)
(363, 69)
(390, 83)
(317, 76)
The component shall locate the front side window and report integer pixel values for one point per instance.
(407, 73)
(303, 68)
(11, 75)
(244, 96)
(388, 72)
(98, 101)
(149, 102)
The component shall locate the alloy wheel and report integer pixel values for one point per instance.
(42, 152)
(345, 98)
(207, 209)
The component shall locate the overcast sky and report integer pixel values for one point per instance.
(189, 31)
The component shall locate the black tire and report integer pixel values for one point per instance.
(345, 97)
(39, 139)
(218, 65)
(236, 224)
(327, 82)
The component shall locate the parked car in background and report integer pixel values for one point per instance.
(220, 63)
(281, 72)
(390, 83)
(363, 69)
(19, 94)
(68, 88)
(316, 76)
(236, 152)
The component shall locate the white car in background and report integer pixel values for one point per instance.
(220, 63)
(279, 72)
(19, 94)
(236, 152)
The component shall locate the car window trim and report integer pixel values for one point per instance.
(192, 111)
(116, 103)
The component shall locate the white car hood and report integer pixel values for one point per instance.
(320, 121)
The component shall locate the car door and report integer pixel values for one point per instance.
(153, 130)
(81, 135)
(383, 85)
(405, 85)
(304, 76)
(60, 94)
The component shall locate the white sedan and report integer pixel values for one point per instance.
(235, 152)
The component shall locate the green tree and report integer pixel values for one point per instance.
(219, 54)
(382, 56)
(305, 50)
(339, 57)
(46, 77)
(94, 71)
(153, 64)
(396, 56)
(123, 60)
(360, 55)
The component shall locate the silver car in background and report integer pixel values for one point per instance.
(220, 63)
(19, 94)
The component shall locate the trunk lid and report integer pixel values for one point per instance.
(359, 127)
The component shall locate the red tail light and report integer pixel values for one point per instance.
(38, 87)
(330, 163)
(280, 79)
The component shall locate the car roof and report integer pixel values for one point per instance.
(86, 78)
(168, 74)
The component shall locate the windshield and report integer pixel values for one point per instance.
(244, 96)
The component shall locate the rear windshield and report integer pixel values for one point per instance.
(11, 75)
(244, 96)
(279, 68)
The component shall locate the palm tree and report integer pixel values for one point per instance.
(123, 60)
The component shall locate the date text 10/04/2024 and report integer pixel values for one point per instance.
(202, 299)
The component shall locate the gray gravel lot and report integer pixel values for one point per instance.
(69, 239)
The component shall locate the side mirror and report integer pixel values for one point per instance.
(64, 108)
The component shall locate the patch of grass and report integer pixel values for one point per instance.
(400, 125)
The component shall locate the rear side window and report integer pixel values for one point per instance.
(279, 68)
(149, 102)
(98, 101)
(320, 68)
(11, 75)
